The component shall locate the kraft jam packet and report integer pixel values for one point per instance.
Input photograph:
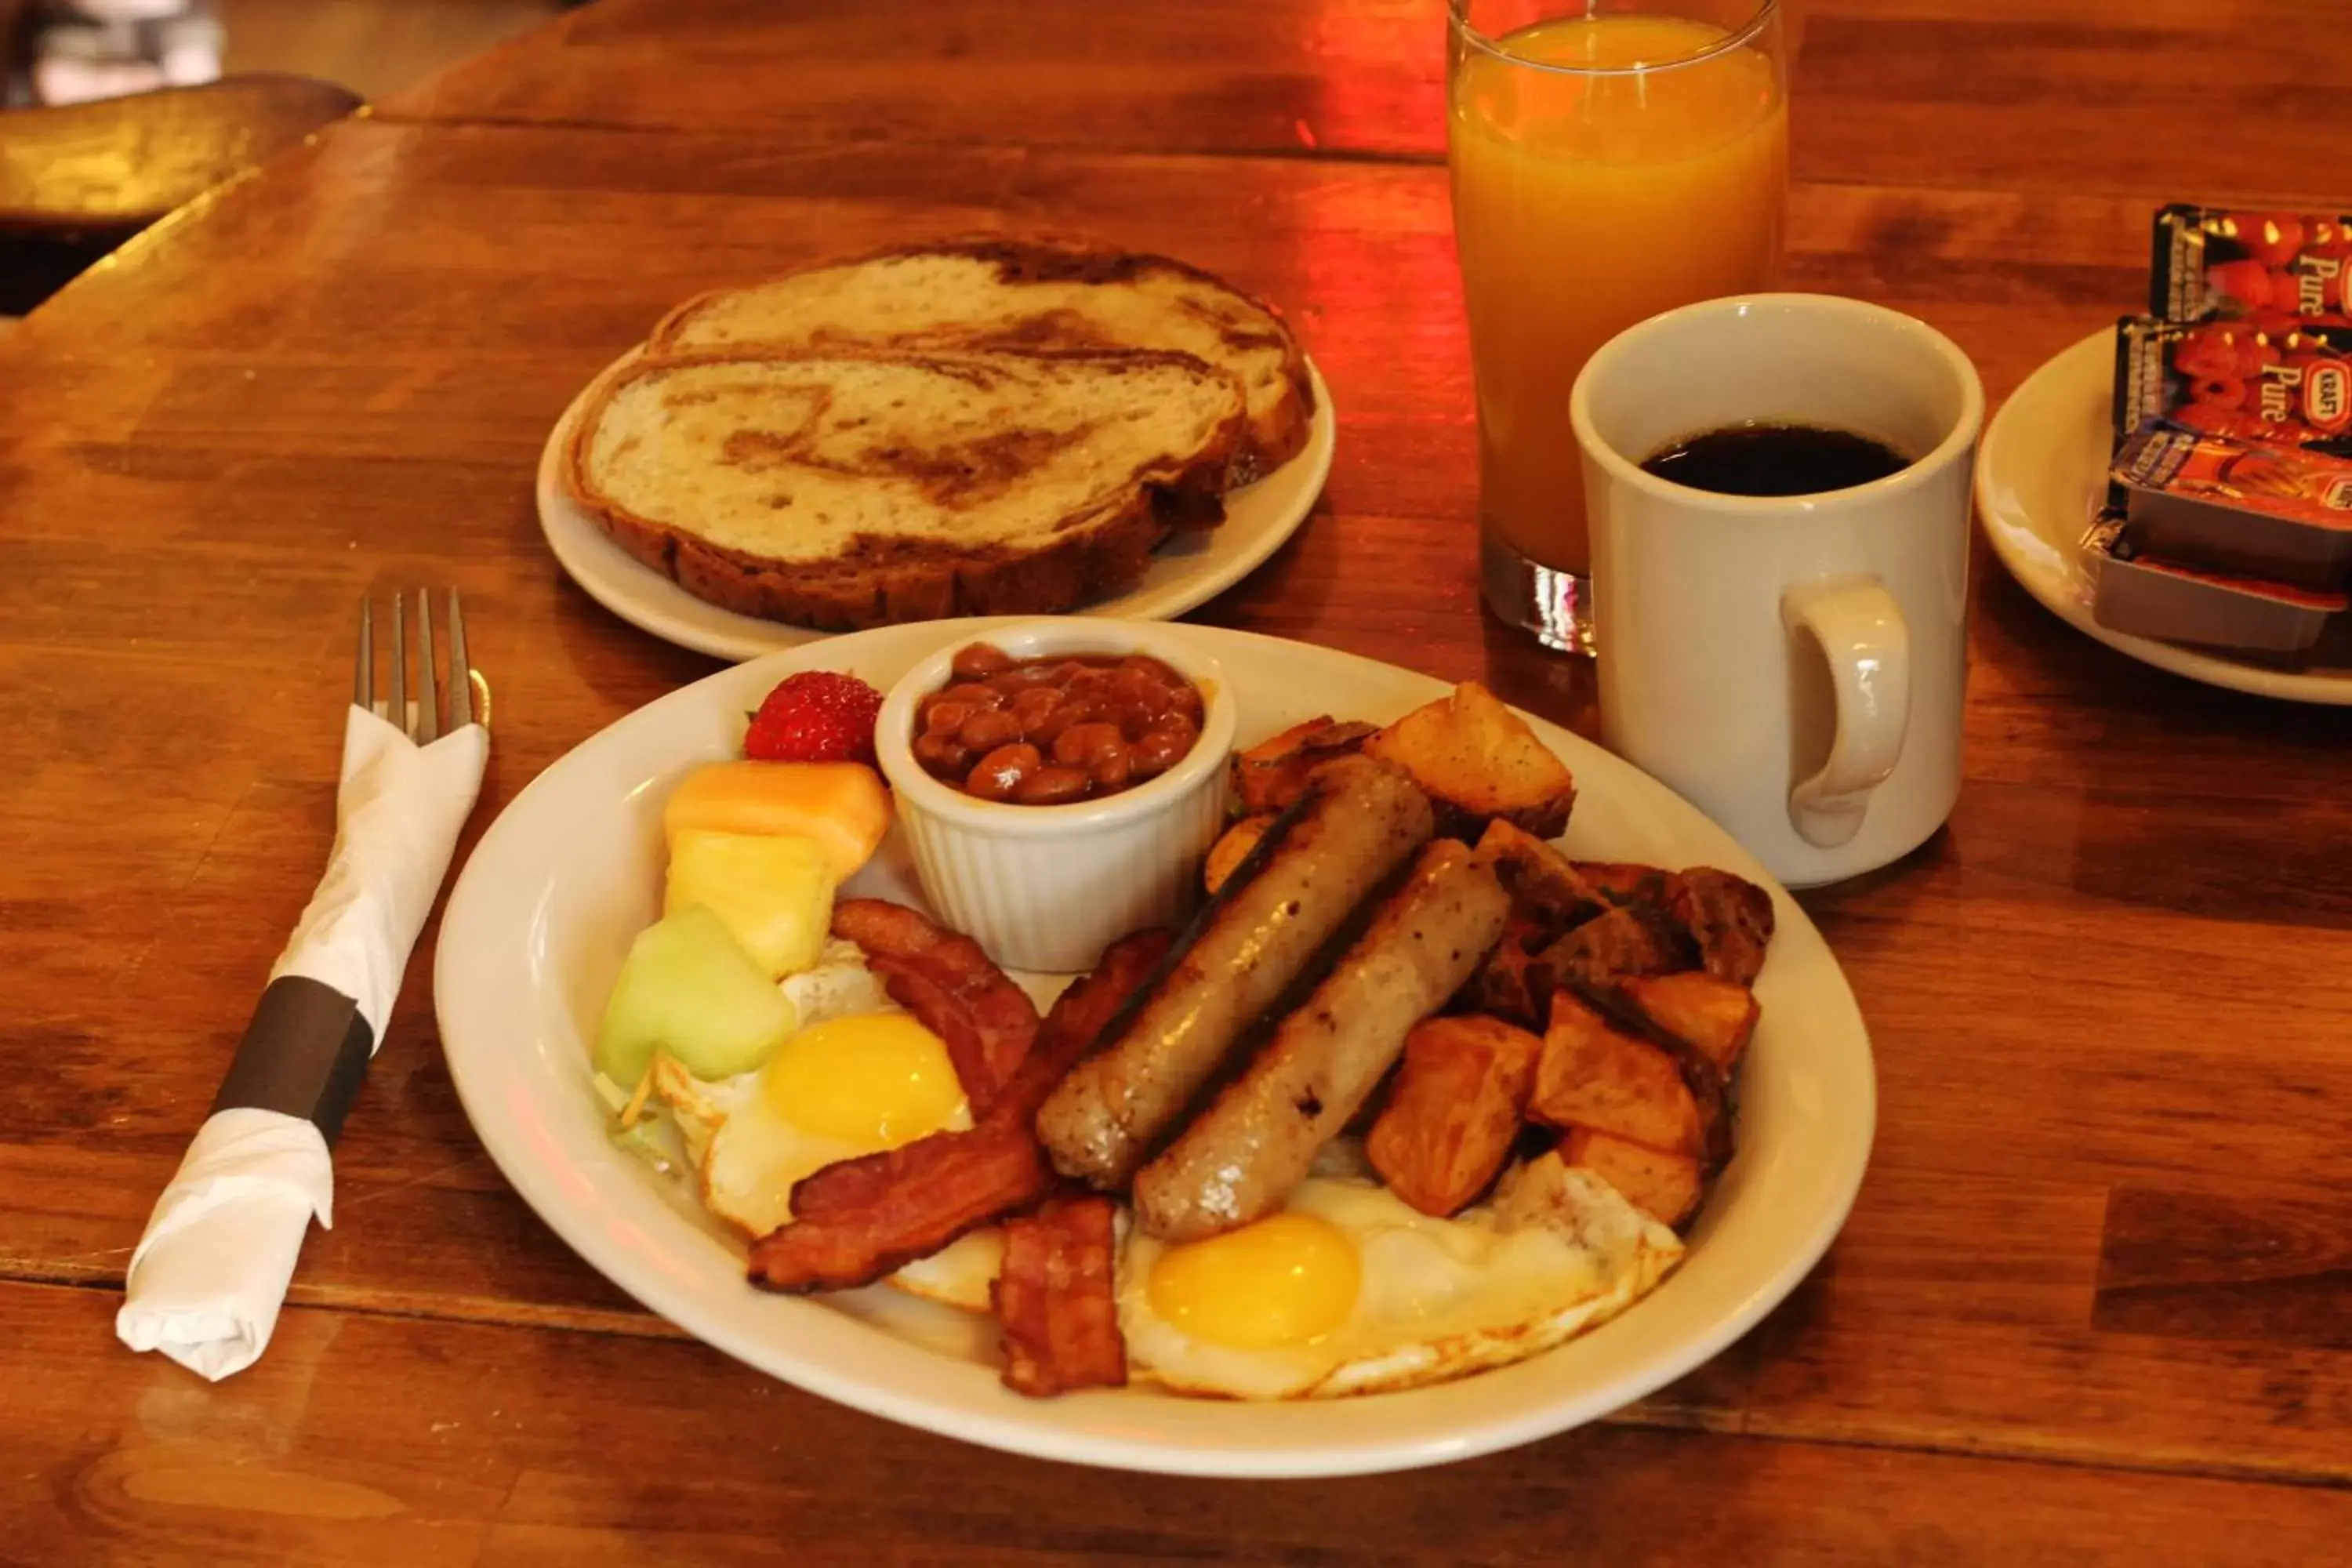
(2238, 380)
(2273, 268)
(2278, 514)
(2147, 595)
(2229, 520)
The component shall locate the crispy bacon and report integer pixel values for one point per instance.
(954, 987)
(923, 1196)
(1079, 1016)
(861, 1219)
(1055, 1301)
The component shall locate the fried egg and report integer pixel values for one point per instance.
(1349, 1290)
(960, 1274)
(840, 986)
(847, 1086)
(859, 1077)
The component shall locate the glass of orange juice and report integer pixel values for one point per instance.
(1611, 160)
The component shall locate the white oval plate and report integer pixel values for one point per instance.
(1188, 570)
(2040, 474)
(538, 924)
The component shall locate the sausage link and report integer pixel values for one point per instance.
(1104, 1120)
(1238, 1159)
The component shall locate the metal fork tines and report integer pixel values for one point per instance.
(435, 703)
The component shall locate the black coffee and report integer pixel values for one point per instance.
(1776, 460)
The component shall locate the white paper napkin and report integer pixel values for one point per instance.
(211, 1271)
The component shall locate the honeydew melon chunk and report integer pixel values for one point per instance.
(689, 988)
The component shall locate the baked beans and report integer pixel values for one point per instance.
(1051, 731)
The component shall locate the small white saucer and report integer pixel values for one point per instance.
(2040, 474)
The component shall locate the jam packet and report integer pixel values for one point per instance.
(2237, 380)
(2149, 596)
(2273, 268)
(2281, 514)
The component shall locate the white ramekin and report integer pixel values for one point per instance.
(1048, 888)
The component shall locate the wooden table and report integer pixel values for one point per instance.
(2096, 1299)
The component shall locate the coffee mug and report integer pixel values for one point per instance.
(1793, 665)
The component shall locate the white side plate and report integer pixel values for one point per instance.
(538, 924)
(2040, 473)
(1188, 570)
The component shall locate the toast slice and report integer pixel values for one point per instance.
(862, 488)
(979, 293)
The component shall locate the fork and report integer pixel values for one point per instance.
(430, 712)
(210, 1273)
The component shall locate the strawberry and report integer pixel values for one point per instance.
(815, 716)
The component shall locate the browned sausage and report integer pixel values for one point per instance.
(1106, 1117)
(1259, 1139)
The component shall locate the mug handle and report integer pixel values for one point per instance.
(1862, 635)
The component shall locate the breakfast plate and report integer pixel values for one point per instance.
(2040, 474)
(538, 925)
(1188, 570)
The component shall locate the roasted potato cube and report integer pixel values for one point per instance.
(1518, 979)
(1716, 1017)
(1545, 887)
(1453, 1110)
(1634, 939)
(1229, 851)
(1478, 760)
(1728, 917)
(1591, 1075)
(1506, 983)
(1622, 882)
(1272, 775)
(1665, 1186)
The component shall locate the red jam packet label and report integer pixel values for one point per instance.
(2234, 379)
(2278, 481)
(2272, 269)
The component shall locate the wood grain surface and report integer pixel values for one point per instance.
(2093, 1299)
(112, 167)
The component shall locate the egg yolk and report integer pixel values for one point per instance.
(875, 1080)
(1284, 1280)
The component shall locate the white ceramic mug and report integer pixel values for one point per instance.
(1793, 665)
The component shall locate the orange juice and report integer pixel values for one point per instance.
(1584, 201)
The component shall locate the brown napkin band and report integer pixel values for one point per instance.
(303, 1054)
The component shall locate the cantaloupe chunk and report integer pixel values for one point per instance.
(844, 807)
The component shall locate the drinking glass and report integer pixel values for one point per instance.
(1610, 161)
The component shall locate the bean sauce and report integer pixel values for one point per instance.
(1052, 731)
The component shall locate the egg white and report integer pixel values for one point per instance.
(958, 1275)
(747, 1155)
(1437, 1298)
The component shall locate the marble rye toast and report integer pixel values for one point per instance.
(851, 486)
(985, 292)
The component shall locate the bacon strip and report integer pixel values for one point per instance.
(947, 981)
(853, 1187)
(1080, 1013)
(855, 1221)
(1054, 1301)
(932, 1191)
